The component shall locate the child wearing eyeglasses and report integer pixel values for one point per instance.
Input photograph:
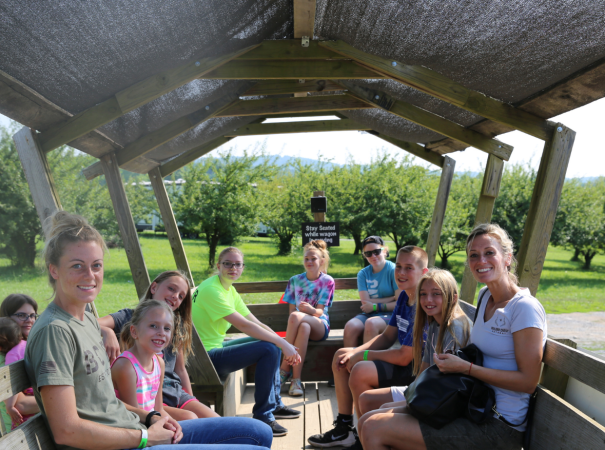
(309, 294)
(18, 313)
(378, 293)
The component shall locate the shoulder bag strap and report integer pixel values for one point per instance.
(479, 306)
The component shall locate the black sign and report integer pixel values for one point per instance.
(327, 231)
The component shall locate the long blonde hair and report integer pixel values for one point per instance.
(183, 323)
(321, 247)
(126, 339)
(450, 311)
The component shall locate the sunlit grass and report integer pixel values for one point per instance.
(564, 286)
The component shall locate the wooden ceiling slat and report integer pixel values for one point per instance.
(314, 126)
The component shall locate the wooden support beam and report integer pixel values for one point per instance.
(414, 149)
(280, 87)
(554, 379)
(290, 70)
(37, 173)
(430, 120)
(269, 106)
(319, 216)
(153, 140)
(131, 98)
(307, 114)
(543, 206)
(191, 155)
(172, 230)
(313, 126)
(304, 18)
(290, 49)
(125, 221)
(443, 193)
(437, 85)
(489, 191)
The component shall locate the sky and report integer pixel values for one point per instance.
(587, 158)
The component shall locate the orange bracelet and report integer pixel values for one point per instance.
(469, 369)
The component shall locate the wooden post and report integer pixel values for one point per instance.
(554, 379)
(37, 172)
(445, 185)
(489, 191)
(319, 217)
(543, 206)
(126, 223)
(172, 230)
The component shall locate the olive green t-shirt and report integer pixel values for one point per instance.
(211, 303)
(64, 351)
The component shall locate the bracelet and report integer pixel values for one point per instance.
(365, 355)
(379, 307)
(374, 307)
(149, 416)
(469, 369)
(144, 436)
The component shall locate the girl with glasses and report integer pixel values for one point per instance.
(216, 307)
(23, 311)
(378, 293)
(309, 294)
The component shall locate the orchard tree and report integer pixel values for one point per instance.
(20, 227)
(459, 216)
(580, 221)
(399, 198)
(220, 198)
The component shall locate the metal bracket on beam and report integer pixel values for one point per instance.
(305, 41)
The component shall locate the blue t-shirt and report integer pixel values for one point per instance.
(403, 319)
(378, 285)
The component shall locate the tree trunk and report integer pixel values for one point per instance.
(357, 239)
(588, 255)
(576, 255)
(212, 244)
(285, 244)
(444, 261)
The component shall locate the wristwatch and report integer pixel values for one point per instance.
(149, 416)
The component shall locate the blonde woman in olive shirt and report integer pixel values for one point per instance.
(217, 306)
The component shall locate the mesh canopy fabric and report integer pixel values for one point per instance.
(79, 53)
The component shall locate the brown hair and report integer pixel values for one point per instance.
(506, 243)
(230, 250)
(13, 302)
(183, 323)
(321, 247)
(126, 339)
(10, 334)
(418, 252)
(64, 228)
(450, 311)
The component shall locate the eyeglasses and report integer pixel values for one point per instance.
(24, 316)
(375, 252)
(229, 265)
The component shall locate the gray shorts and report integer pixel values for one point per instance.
(365, 316)
(462, 434)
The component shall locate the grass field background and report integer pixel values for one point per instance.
(564, 286)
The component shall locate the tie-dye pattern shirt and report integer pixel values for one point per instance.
(318, 292)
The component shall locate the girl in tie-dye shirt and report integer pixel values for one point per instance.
(309, 294)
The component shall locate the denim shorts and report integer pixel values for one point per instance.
(365, 316)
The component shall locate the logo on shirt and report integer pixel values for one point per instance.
(501, 325)
(402, 324)
(372, 288)
(92, 363)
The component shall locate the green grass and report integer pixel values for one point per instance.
(564, 286)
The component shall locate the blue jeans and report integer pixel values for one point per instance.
(266, 378)
(223, 433)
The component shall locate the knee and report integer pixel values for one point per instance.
(370, 429)
(337, 356)
(364, 402)
(304, 329)
(188, 415)
(271, 349)
(374, 325)
(295, 318)
(354, 326)
(360, 375)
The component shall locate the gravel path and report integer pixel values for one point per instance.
(586, 329)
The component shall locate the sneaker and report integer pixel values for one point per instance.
(296, 389)
(284, 376)
(283, 412)
(278, 430)
(355, 446)
(340, 435)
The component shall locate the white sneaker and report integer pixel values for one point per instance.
(296, 389)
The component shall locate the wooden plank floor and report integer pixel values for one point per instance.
(318, 407)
